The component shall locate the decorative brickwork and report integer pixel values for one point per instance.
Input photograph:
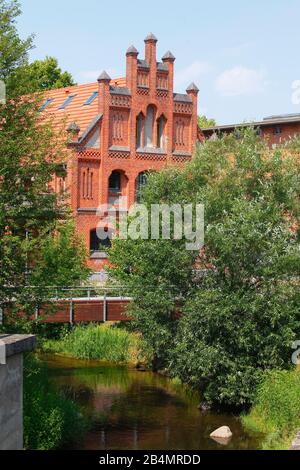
(130, 126)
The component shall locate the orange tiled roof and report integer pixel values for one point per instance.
(75, 111)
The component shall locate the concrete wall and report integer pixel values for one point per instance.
(11, 403)
(11, 390)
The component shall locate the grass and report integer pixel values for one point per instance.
(51, 420)
(103, 342)
(276, 411)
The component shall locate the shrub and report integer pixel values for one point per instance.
(227, 338)
(276, 410)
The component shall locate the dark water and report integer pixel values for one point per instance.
(128, 409)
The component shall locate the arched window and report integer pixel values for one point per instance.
(97, 244)
(149, 127)
(114, 183)
(140, 183)
(161, 122)
(139, 130)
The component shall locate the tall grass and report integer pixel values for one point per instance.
(276, 411)
(102, 342)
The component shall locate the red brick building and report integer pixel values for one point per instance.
(121, 129)
(275, 129)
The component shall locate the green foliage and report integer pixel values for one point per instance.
(40, 75)
(276, 409)
(61, 259)
(50, 419)
(13, 50)
(240, 309)
(34, 228)
(228, 337)
(101, 342)
(20, 76)
(204, 122)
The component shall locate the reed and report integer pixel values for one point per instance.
(102, 342)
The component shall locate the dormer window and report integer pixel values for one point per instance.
(91, 98)
(67, 101)
(44, 106)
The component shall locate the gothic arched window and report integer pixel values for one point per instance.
(149, 126)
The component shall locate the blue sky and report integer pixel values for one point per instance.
(243, 55)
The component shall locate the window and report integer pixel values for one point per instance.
(44, 106)
(97, 244)
(91, 98)
(62, 185)
(139, 130)
(141, 182)
(114, 183)
(66, 102)
(160, 131)
(277, 130)
(149, 127)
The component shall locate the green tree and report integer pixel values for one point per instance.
(204, 122)
(39, 247)
(40, 75)
(13, 50)
(20, 76)
(240, 308)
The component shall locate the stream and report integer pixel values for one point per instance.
(129, 409)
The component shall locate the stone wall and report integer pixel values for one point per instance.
(11, 390)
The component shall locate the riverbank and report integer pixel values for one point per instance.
(276, 410)
(107, 342)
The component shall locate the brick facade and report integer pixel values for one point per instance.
(274, 129)
(132, 126)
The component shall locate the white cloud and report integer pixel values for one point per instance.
(191, 73)
(241, 81)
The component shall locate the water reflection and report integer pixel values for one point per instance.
(128, 409)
